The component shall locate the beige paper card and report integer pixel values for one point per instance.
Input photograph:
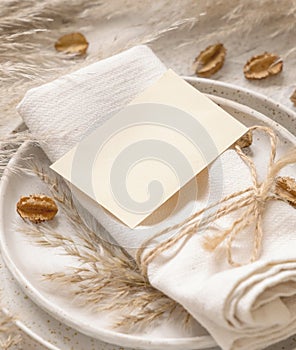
(144, 154)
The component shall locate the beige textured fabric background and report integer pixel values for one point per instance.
(176, 30)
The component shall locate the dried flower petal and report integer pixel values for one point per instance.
(246, 140)
(293, 98)
(286, 189)
(210, 60)
(74, 43)
(262, 66)
(37, 208)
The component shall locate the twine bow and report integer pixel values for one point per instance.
(252, 199)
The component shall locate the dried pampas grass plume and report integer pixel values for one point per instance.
(29, 29)
(9, 337)
(105, 277)
(9, 145)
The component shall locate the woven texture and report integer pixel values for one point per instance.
(176, 31)
(60, 113)
(242, 308)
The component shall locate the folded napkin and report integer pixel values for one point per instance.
(247, 307)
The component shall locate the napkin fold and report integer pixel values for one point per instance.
(247, 307)
(60, 113)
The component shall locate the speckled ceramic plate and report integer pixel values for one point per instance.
(21, 255)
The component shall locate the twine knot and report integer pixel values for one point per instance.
(260, 198)
(249, 204)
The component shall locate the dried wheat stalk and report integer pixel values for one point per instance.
(106, 277)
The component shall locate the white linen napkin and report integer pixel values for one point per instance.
(248, 307)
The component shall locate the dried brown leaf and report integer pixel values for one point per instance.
(286, 189)
(73, 43)
(293, 98)
(246, 140)
(210, 60)
(37, 208)
(262, 66)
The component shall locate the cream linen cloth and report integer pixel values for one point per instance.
(248, 307)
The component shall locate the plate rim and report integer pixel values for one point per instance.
(254, 95)
(145, 342)
(121, 339)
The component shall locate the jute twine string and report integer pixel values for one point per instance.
(253, 199)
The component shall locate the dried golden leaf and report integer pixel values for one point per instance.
(262, 66)
(293, 98)
(74, 43)
(286, 189)
(37, 208)
(210, 60)
(246, 140)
